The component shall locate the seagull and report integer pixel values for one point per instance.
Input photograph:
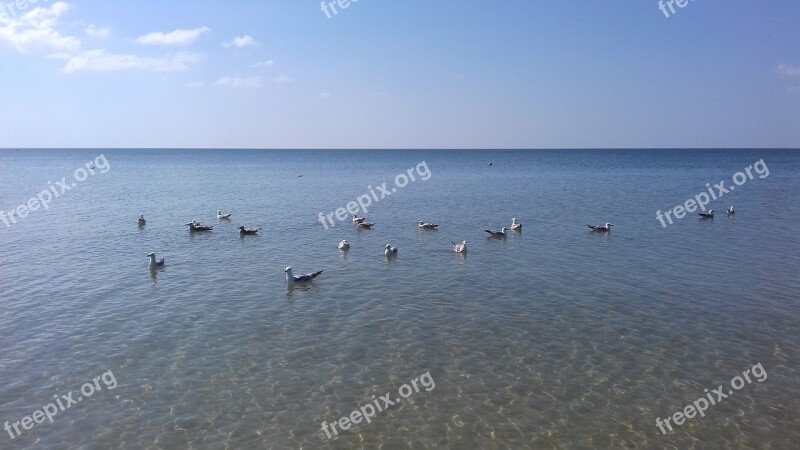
(389, 251)
(223, 216)
(515, 226)
(245, 232)
(427, 226)
(601, 228)
(364, 226)
(155, 264)
(141, 220)
(708, 215)
(731, 211)
(460, 248)
(497, 234)
(344, 246)
(195, 226)
(357, 219)
(300, 279)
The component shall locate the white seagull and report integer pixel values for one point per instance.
(389, 251)
(601, 228)
(223, 216)
(357, 219)
(427, 226)
(154, 264)
(498, 234)
(731, 211)
(300, 279)
(515, 225)
(248, 231)
(344, 245)
(460, 248)
(141, 220)
(708, 215)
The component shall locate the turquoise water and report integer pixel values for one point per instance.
(555, 337)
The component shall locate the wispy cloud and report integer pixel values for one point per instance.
(267, 63)
(253, 82)
(178, 37)
(36, 31)
(98, 32)
(102, 61)
(245, 41)
(788, 71)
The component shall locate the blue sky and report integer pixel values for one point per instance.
(399, 74)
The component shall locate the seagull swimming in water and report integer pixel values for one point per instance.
(389, 251)
(154, 264)
(141, 220)
(497, 234)
(731, 211)
(357, 219)
(460, 248)
(427, 226)
(223, 216)
(195, 226)
(708, 215)
(344, 245)
(300, 279)
(364, 226)
(248, 232)
(515, 225)
(601, 228)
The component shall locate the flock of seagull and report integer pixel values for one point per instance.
(361, 223)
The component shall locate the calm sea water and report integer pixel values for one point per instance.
(555, 337)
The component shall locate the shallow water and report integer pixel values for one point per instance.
(555, 337)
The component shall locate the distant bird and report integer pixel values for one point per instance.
(389, 251)
(195, 226)
(460, 248)
(248, 232)
(708, 215)
(601, 228)
(731, 211)
(155, 264)
(498, 234)
(141, 220)
(344, 245)
(223, 216)
(427, 226)
(357, 219)
(364, 226)
(515, 225)
(300, 279)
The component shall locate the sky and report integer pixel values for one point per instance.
(399, 74)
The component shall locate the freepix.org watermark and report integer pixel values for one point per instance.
(671, 4)
(343, 4)
(11, 8)
(715, 192)
(43, 199)
(363, 201)
(62, 403)
(367, 412)
(700, 405)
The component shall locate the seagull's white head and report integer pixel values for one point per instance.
(387, 246)
(513, 220)
(141, 216)
(463, 242)
(504, 229)
(288, 269)
(151, 255)
(344, 241)
(609, 225)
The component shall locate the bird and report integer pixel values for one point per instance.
(141, 220)
(300, 279)
(731, 211)
(357, 219)
(601, 228)
(195, 226)
(364, 225)
(248, 232)
(389, 251)
(460, 248)
(515, 225)
(154, 264)
(344, 245)
(223, 216)
(498, 234)
(427, 226)
(708, 215)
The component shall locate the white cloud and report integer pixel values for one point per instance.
(101, 61)
(788, 71)
(253, 82)
(267, 63)
(98, 32)
(245, 41)
(282, 79)
(173, 38)
(36, 31)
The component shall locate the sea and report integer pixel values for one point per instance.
(677, 332)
